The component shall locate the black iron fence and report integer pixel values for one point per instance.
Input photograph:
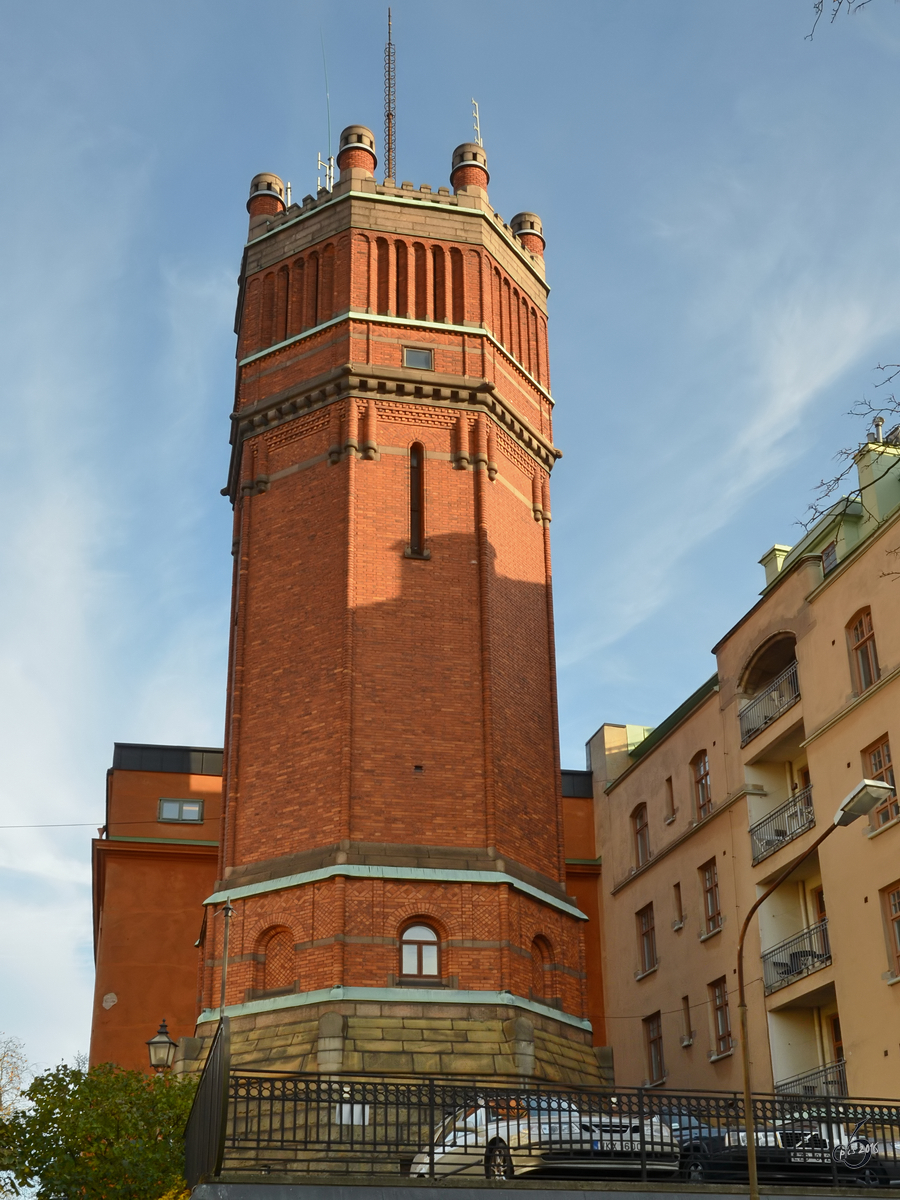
(778, 697)
(431, 1129)
(830, 1080)
(782, 825)
(805, 952)
(204, 1134)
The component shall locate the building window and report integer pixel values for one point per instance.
(670, 800)
(892, 916)
(679, 906)
(641, 835)
(653, 1038)
(819, 902)
(862, 649)
(646, 938)
(829, 558)
(417, 499)
(718, 994)
(181, 810)
(709, 881)
(422, 360)
(419, 952)
(702, 797)
(877, 764)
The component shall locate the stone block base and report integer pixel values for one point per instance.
(403, 1038)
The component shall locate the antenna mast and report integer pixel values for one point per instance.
(328, 163)
(478, 141)
(390, 105)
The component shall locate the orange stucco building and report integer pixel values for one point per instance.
(153, 866)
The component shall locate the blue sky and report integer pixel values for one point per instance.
(719, 197)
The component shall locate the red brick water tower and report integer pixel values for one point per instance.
(392, 847)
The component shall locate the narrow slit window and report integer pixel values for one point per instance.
(679, 907)
(417, 498)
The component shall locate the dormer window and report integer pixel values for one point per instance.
(829, 558)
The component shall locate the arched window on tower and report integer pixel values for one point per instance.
(382, 252)
(402, 289)
(419, 953)
(276, 971)
(541, 969)
(456, 286)
(417, 500)
(439, 284)
(421, 275)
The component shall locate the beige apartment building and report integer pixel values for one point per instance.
(697, 816)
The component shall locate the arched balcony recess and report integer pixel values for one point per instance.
(771, 684)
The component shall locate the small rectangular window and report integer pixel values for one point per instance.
(670, 800)
(679, 907)
(422, 360)
(687, 1033)
(181, 810)
(829, 558)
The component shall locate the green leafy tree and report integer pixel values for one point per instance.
(103, 1134)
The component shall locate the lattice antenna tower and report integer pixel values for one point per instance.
(477, 122)
(390, 105)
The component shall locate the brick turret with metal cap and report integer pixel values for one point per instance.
(528, 229)
(469, 168)
(357, 152)
(391, 766)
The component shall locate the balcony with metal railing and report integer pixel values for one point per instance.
(772, 701)
(796, 956)
(782, 825)
(830, 1080)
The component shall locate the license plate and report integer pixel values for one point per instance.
(617, 1145)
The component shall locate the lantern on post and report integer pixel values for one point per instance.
(161, 1049)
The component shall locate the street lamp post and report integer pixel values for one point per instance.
(861, 801)
(161, 1048)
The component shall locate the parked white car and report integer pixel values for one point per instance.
(501, 1138)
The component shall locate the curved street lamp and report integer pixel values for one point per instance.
(161, 1049)
(861, 801)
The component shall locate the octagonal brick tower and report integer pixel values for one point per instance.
(391, 755)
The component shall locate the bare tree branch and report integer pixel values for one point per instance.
(826, 490)
(849, 6)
